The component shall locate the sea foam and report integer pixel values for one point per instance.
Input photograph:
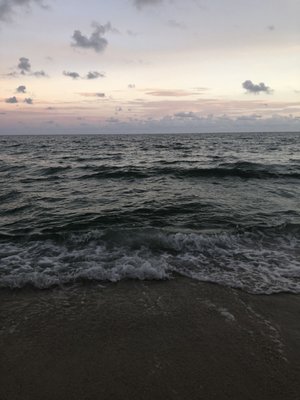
(256, 263)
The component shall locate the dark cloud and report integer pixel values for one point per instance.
(142, 3)
(24, 65)
(96, 41)
(73, 75)
(256, 88)
(11, 100)
(90, 75)
(21, 89)
(8, 7)
(28, 100)
(25, 69)
(95, 75)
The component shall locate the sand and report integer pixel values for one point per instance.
(179, 339)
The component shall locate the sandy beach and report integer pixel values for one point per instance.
(149, 340)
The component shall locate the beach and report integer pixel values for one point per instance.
(177, 339)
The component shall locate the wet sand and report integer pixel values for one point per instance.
(148, 340)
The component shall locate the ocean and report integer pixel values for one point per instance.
(221, 208)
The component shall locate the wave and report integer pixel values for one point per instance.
(54, 170)
(10, 168)
(240, 169)
(9, 196)
(259, 263)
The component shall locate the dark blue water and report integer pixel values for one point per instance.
(221, 208)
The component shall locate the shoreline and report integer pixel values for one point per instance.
(177, 339)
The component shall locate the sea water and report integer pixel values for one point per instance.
(221, 208)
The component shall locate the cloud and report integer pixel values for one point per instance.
(251, 117)
(28, 100)
(112, 120)
(175, 24)
(21, 89)
(24, 65)
(95, 75)
(7, 7)
(256, 88)
(142, 3)
(25, 69)
(98, 94)
(189, 114)
(131, 33)
(170, 93)
(201, 89)
(73, 75)
(96, 41)
(40, 74)
(11, 100)
(90, 75)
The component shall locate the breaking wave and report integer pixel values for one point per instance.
(259, 263)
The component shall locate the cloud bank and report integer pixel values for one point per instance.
(188, 114)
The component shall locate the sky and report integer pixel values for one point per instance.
(149, 66)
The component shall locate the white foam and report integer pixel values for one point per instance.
(243, 261)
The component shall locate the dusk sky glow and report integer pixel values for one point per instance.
(149, 66)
